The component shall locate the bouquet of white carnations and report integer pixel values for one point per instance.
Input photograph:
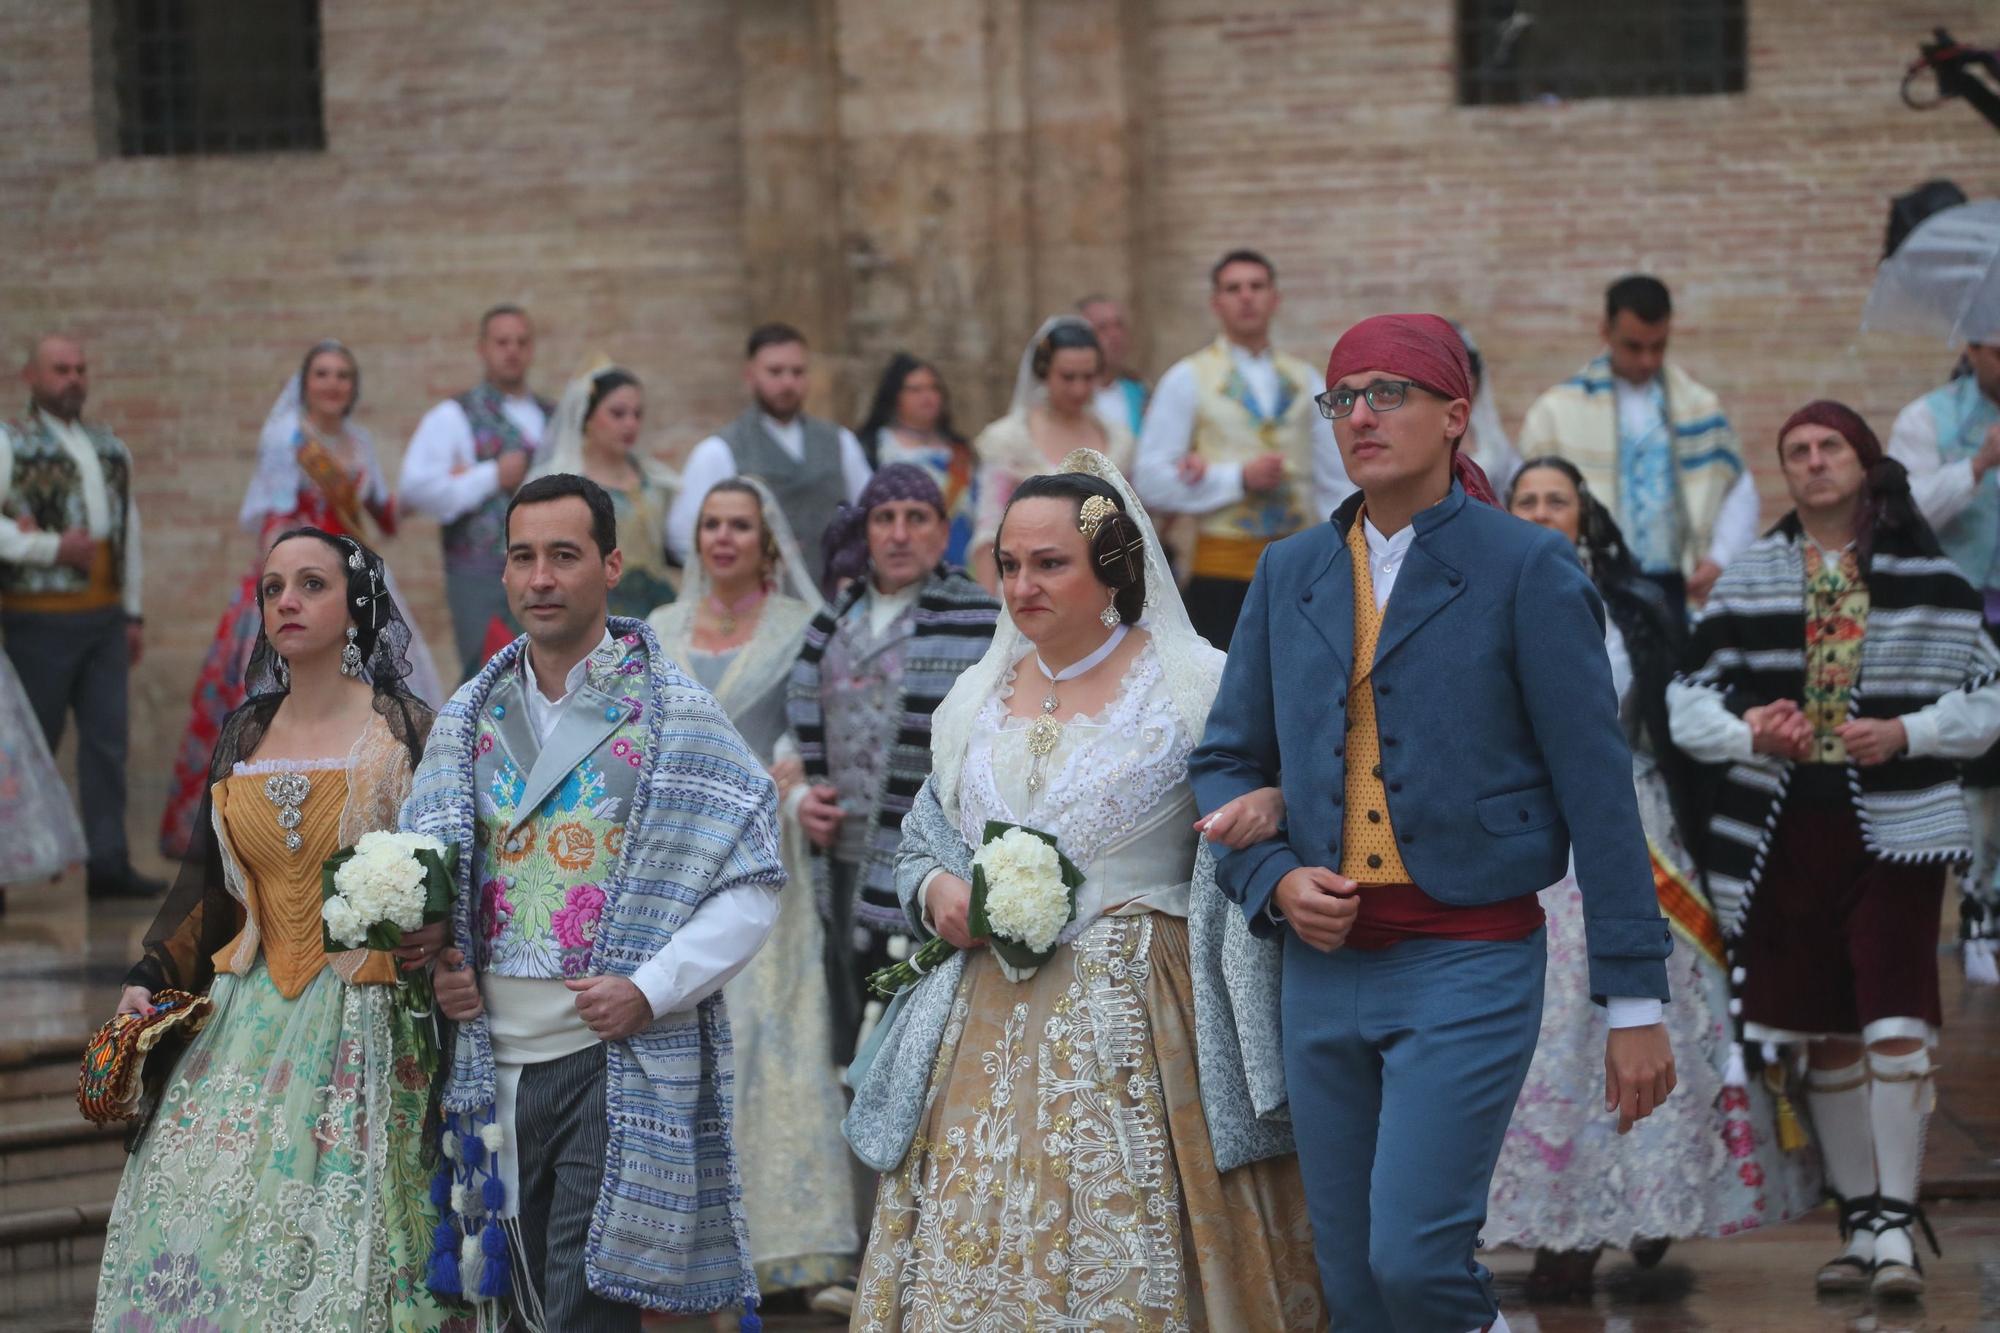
(1023, 894)
(372, 892)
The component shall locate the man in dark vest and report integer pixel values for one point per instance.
(468, 457)
(69, 592)
(810, 465)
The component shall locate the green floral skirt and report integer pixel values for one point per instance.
(284, 1182)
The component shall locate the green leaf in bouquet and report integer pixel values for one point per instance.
(440, 877)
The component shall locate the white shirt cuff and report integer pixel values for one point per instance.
(924, 899)
(1628, 1011)
(709, 949)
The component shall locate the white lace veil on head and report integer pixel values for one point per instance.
(1193, 669)
(563, 440)
(274, 486)
(769, 652)
(1029, 391)
(1491, 448)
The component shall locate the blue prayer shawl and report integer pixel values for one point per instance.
(668, 1231)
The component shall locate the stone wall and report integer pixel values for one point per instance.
(651, 177)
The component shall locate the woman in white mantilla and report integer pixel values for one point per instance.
(1103, 1143)
(743, 611)
(595, 433)
(1052, 414)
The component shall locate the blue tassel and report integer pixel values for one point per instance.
(749, 1323)
(441, 1188)
(443, 1275)
(494, 1194)
(493, 1280)
(471, 1151)
(493, 1241)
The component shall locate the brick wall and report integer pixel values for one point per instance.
(936, 175)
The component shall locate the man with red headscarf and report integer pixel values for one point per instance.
(1470, 738)
(1841, 810)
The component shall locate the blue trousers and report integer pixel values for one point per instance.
(1403, 1065)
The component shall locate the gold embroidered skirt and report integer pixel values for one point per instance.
(1062, 1178)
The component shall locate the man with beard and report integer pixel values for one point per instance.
(70, 587)
(810, 465)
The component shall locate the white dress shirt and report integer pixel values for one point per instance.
(1168, 434)
(713, 460)
(39, 548)
(724, 933)
(1385, 559)
(1942, 490)
(440, 476)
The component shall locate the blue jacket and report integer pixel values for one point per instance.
(1501, 745)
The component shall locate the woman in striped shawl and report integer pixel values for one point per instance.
(1843, 673)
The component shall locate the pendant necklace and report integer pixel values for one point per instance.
(726, 613)
(1045, 732)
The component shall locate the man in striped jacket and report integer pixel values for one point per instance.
(1843, 673)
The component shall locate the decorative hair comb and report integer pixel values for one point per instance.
(1091, 517)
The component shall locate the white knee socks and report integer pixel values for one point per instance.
(1899, 1107)
(1840, 1103)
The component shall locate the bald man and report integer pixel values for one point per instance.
(70, 588)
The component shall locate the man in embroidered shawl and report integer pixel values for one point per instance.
(1949, 440)
(1426, 678)
(618, 862)
(810, 465)
(70, 590)
(875, 666)
(470, 453)
(1653, 444)
(1841, 811)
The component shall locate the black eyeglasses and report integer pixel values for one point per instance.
(1382, 396)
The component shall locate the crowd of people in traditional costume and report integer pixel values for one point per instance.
(1568, 857)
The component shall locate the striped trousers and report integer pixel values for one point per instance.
(562, 1134)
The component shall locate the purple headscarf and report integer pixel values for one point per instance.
(845, 545)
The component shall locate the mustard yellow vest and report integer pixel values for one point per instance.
(1368, 852)
(1230, 426)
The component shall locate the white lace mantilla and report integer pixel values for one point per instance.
(1112, 779)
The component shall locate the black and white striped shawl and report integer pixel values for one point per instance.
(955, 618)
(1925, 638)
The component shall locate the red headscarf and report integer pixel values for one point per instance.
(1427, 350)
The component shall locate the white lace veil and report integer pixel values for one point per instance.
(274, 487)
(1029, 391)
(767, 656)
(563, 441)
(1193, 669)
(1491, 448)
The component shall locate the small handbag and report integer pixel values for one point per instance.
(111, 1085)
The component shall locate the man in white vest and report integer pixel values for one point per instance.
(1232, 437)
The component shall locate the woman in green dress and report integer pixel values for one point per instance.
(283, 1180)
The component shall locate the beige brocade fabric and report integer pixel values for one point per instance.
(1062, 1177)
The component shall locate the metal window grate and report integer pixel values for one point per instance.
(1513, 51)
(215, 76)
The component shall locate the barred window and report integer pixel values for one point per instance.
(190, 77)
(1527, 50)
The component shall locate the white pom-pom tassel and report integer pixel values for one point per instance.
(492, 1136)
(451, 1146)
(1736, 1076)
(459, 1195)
(1736, 1007)
(471, 1263)
(1737, 976)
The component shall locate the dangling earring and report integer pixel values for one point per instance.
(350, 656)
(1109, 617)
